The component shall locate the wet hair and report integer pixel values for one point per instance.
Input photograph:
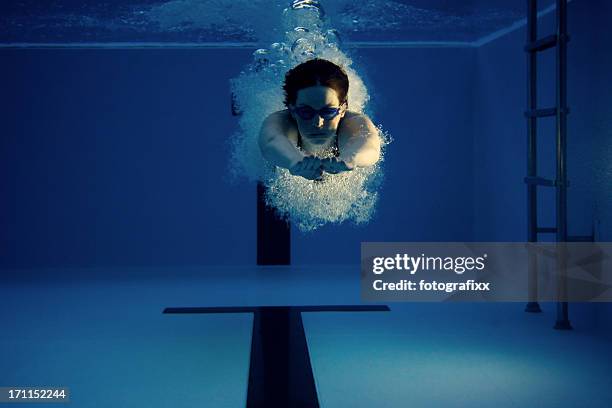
(312, 73)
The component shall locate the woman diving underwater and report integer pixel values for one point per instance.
(317, 133)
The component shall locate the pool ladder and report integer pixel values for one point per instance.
(560, 112)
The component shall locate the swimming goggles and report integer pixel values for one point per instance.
(307, 113)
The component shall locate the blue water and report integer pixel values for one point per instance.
(199, 21)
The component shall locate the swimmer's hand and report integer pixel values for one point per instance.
(335, 166)
(310, 168)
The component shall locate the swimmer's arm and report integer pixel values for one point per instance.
(358, 141)
(274, 142)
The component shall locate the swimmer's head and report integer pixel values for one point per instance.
(316, 95)
(315, 72)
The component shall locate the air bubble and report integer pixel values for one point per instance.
(310, 5)
(332, 37)
(261, 59)
(303, 47)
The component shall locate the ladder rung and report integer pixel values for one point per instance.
(546, 230)
(540, 113)
(542, 44)
(540, 181)
(580, 238)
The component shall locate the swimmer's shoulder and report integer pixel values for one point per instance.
(354, 121)
(283, 122)
(351, 115)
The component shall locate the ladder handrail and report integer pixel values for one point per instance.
(560, 112)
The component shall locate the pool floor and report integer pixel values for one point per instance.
(101, 333)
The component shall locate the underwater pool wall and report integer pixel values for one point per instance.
(501, 135)
(119, 157)
(500, 143)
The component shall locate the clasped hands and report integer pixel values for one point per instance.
(312, 168)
